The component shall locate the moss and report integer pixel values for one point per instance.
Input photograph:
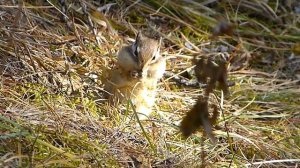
(287, 97)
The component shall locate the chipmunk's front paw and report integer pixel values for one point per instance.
(136, 74)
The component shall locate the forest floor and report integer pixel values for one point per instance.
(53, 62)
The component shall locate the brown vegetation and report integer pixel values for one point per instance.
(53, 60)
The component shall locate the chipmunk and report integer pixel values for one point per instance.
(139, 67)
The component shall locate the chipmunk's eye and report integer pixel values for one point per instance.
(135, 49)
(156, 54)
(136, 52)
(153, 58)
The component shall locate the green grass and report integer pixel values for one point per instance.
(52, 113)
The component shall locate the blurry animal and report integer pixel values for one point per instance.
(138, 69)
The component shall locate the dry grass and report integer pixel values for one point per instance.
(53, 115)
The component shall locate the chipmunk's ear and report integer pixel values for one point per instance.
(139, 35)
(160, 41)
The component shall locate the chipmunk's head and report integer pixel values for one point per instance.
(145, 50)
(137, 57)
